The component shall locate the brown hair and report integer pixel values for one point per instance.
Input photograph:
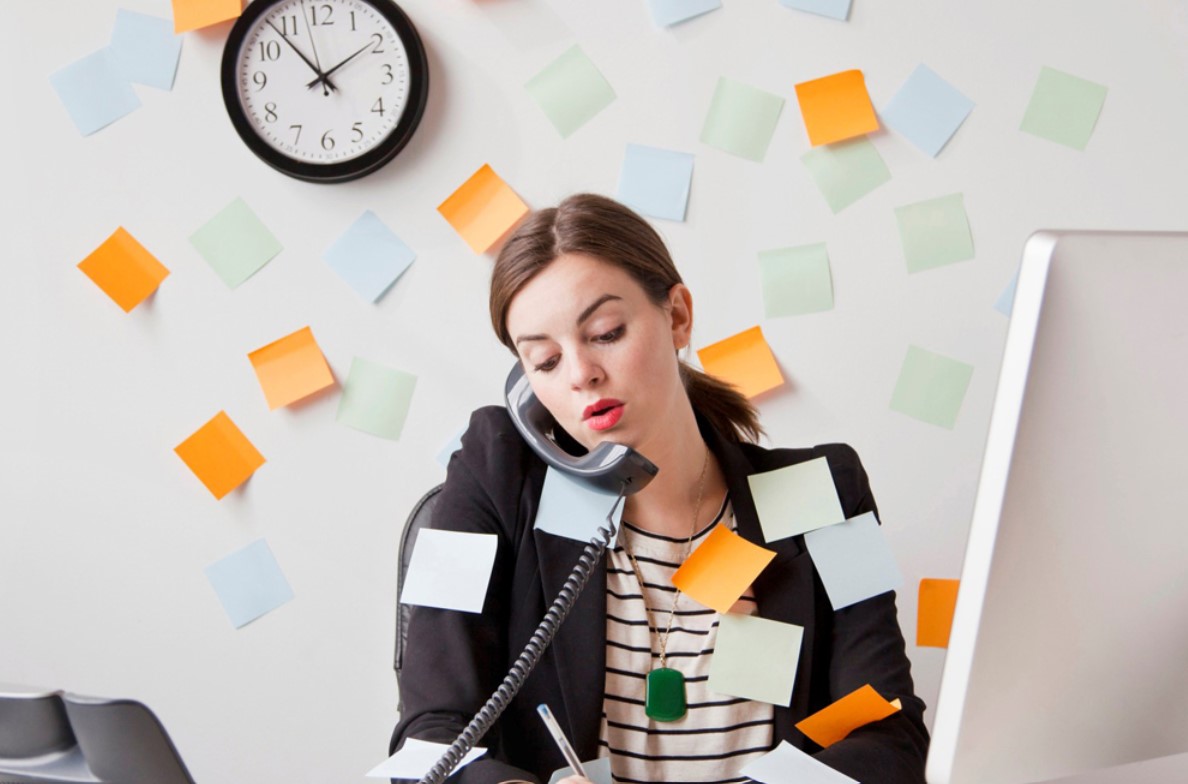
(600, 227)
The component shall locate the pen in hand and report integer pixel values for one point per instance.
(562, 742)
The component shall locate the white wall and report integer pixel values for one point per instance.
(104, 533)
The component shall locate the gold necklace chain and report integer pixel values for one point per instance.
(676, 596)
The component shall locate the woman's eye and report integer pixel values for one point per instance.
(547, 365)
(612, 336)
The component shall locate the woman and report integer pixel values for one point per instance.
(590, 302)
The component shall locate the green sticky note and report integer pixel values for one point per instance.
(755, 658)
(1064, 108)
(931, 387)
(795, 499)
(846, 171)
(571, 90)
(235, 243)
(795, 280)
(934, 232)
(741, 119)
(375, 399)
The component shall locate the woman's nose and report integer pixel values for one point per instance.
(583, 370)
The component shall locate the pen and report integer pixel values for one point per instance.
(555, 730)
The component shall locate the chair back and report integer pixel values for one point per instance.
(420, 517)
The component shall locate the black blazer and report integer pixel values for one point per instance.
(454, 660)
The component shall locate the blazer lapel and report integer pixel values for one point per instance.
(579, 649)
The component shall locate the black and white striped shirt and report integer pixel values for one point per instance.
(720, 733)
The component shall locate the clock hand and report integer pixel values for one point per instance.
(323, 77)
(304, 59)
(317, 62)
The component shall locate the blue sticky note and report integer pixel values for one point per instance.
(655, 181)
(94, 92)
(249, 583)
(669, 12)
(449, 449)
(834, 9)
(573, 510)
(369, 257)
(927, 110)
(853, 560)
(1006, 300)
(146, 49)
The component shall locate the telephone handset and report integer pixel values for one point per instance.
(610, 468)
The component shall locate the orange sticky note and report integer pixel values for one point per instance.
(124, 269)
(483, 209)
(862, 706)
(220, 455)
(291, 368)
(836, 107)
(192, 14)
(744, 360)
(721, 568)
(938, 600)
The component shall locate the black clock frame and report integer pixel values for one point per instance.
(341, 171)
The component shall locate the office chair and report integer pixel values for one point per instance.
(59, 738)
(420, 517)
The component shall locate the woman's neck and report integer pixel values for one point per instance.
(666, 505)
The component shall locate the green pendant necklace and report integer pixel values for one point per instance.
(664, 693)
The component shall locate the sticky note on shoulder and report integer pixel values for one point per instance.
(124, 269)
(450, 570)
(756, 658)
(857, 709)
(796, 499)
(854, 560)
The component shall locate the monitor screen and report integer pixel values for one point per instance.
(1069, 646)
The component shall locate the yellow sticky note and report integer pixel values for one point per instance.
(483, 209)
(862, 706)
(721, 568)
(192, 14)
(836, 107)
(744, 360)
(220, 455)
(124, 269)
(938, 600)
(291, 368)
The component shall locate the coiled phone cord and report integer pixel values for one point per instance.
(528, 658)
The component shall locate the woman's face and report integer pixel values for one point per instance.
(598, 353)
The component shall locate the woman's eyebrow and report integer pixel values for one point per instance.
(585, 314)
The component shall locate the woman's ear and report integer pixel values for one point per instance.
(680, 314)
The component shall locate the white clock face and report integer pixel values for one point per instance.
(323, 82)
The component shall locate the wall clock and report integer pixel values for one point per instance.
(325, 90)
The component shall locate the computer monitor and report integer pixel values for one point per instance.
(1069, 645)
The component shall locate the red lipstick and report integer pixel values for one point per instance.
(604, 414)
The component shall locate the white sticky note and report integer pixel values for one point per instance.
(656, 182)
(786, 764)
(756, 658)
(450, 570)
(414, 759)
(854, 560)
(795, 499)
(927, 110)
(598, 771)
(571, 509)
(94, 91)
(146, 49)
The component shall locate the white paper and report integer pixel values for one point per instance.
(450, 570)
(415, 758)
(786, 764)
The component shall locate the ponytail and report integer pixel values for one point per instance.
(727, 409)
